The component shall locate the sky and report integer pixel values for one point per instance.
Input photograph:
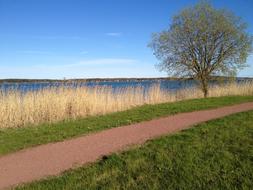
(91, 38)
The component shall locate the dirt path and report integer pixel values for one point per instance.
(52, 159)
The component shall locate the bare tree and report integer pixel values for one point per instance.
(203, 42)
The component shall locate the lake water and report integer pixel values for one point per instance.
(164, 84)
(171, 85)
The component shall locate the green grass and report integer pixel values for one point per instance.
(19, 138)
(213, 155)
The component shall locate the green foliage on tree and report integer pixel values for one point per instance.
(202, 42)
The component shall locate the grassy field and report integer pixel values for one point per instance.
(213, 155)
(13, 139)
(63, 103)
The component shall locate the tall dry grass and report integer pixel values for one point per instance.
(56, 104)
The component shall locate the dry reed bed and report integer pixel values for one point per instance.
(56, 104)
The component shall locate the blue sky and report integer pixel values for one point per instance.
(90, 38)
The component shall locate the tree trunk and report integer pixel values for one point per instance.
(205, 91)
(204, 87)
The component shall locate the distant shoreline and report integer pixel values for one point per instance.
(12, 80)
(86, 80)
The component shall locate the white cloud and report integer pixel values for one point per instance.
(83, 52)
(114, 34)
(92, 68)
(104, 61)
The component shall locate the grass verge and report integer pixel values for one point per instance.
(14, 139)
(213, 155)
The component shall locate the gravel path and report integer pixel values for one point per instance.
(52, 159)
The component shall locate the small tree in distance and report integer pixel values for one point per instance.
(203, 42)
